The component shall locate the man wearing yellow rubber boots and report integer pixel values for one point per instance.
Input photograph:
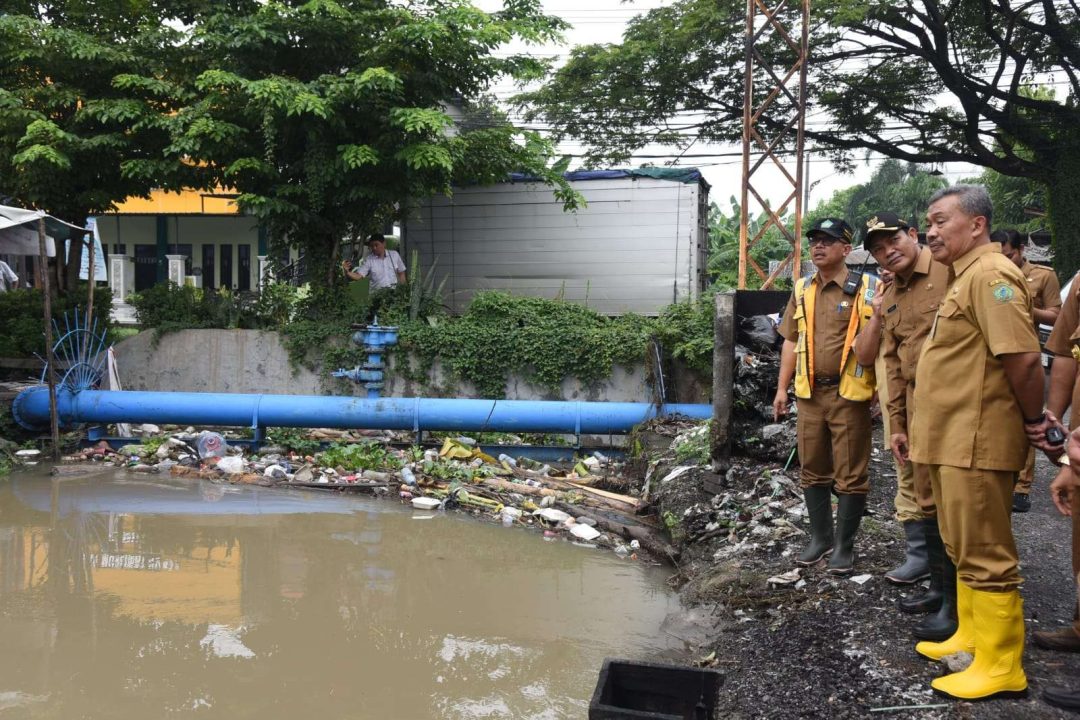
(825, 313)
(978, 387)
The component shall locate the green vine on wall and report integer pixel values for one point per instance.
(499, 335)
(543, 341)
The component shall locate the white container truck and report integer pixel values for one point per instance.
(638, 245)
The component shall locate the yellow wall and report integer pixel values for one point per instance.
(186, 202)
(201, 586)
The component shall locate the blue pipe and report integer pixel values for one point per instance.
(31, 410)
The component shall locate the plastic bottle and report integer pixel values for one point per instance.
(407, 476)
(211, 444)
(504, 458)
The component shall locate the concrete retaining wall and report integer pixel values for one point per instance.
(254, 361)
(236, 361)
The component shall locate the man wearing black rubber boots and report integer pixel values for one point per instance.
(905, 314)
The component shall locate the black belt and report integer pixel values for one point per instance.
(826, 380)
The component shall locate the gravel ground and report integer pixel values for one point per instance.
(834, 648)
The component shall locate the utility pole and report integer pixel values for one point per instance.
(783, 99)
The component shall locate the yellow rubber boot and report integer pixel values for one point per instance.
(963, 640)
(999, 643)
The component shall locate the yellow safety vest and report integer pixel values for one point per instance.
(856, 382)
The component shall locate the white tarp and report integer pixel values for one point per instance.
(19, 231)
(100, 272)
(22, 240)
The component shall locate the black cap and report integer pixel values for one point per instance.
(884, 222)
(833, 227)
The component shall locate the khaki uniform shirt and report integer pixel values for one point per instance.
(1043, 285)
(909, 308)
(1066, 331)
(832, 312)
(966, 414)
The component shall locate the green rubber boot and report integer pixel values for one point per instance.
(819, 509)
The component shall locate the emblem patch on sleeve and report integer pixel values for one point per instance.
(1003, 292)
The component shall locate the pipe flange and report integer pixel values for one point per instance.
(18, 415)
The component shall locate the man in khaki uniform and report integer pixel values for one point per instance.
(905, 311)
(1045, 305)
(978, 388)
(1064, 342)
(1066, 494)
(825, 314)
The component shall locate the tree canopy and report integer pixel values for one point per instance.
(70, 114)
(923, 81)
(328, 117)
(325, 117)
(902, 188)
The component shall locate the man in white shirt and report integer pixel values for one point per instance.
(8, 279)
(383, 267)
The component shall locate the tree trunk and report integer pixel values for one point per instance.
(1063, 209)
(74, 262)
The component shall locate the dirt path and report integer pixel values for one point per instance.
(834, 648)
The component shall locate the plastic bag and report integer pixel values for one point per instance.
(758, 333)
(211, 444)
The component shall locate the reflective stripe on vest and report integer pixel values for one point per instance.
(856, 382)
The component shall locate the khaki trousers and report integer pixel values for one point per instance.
(922, 489)
(914, 495)
(1076, 554)
(906, 503)
(1025, 477)
(834, 441)
(975, 518)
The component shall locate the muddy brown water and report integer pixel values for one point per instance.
(131, 597)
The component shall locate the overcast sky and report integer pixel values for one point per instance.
(602, 21)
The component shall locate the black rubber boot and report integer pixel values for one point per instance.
(940, 626)
(916, 565)
(849, 512)
(819, 510)
(931, 600)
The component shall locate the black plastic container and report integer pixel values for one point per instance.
(630, 690)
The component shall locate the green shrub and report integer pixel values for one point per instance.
(22, 331)
(293, 439)
(543, 340)
(167, 306)
(359, 456)
(276, 304)
(685, 330)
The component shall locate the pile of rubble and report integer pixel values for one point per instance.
(561, 500)
(753, 431)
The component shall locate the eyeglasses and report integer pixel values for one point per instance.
(825, 240)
